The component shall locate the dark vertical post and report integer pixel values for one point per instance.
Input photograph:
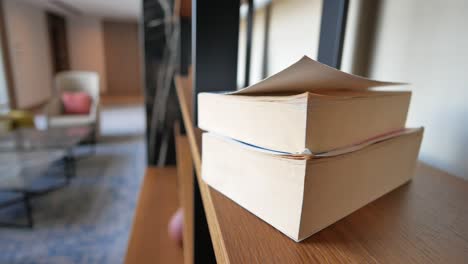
(368, 21)
(215, 34)
(266, 41)
(332, 31)
(248, 44)
(27, 206)
(185, 45)
(57, 26)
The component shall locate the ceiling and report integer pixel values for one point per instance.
(121, 9)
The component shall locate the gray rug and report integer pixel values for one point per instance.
(88, 221)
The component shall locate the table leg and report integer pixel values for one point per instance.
(28, 207)
(70, 166)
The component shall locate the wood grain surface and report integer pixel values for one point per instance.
(185, 188)
(149, 240)
(423, 221)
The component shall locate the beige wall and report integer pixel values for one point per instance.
(123, 62)
(425, 42)
(294, 31)
(86, 46)
(28, 39)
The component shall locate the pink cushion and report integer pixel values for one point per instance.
(175, 226)
(76, 103)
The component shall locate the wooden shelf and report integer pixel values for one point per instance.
(185, 186)
(149, 240)
(421, 222)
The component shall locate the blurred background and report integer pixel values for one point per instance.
(120, 58)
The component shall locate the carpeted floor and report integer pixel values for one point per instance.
(88, 221)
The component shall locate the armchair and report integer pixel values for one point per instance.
(75, 81)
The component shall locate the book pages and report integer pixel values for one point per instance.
(308, 75)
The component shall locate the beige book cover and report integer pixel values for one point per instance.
(301, 194)
(306, 108)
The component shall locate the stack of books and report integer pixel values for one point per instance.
(307, 146)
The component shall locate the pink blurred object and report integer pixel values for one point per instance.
(175, 226)
(76, 103)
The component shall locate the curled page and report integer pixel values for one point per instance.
(308, 75)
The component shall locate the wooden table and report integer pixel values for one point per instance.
(424, 221)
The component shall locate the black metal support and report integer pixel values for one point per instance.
(266, 41)
(365, 36)
(185, 45)
(28, 208)
(248, 44)
(215, 36)
(332, 32)
(25, 200)
(215, 33)
(11, 202)
(69, 166)
(203, 251)
(94, 139)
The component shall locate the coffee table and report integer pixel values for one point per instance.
(28, 139)
(36, 162)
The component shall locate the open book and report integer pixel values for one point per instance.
(308, 108)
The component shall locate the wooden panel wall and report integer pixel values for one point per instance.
(122, 57)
